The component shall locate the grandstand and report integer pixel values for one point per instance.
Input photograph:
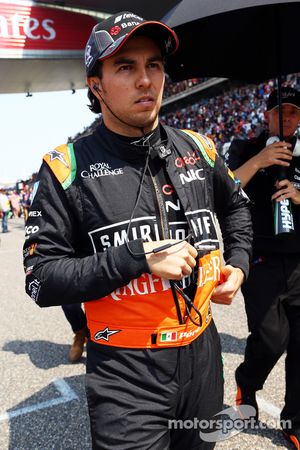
(220, 108)
(217, 107)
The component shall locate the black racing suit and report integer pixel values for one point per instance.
(272, 290)
(90, 199)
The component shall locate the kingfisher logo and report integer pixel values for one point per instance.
(209, 270)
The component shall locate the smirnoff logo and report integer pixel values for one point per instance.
(146, 284)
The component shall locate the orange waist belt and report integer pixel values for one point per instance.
(174, 336)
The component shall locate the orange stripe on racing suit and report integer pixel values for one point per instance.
(143, 313)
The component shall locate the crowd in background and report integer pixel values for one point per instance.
(236, 113)
(175, 88)
(14, 203)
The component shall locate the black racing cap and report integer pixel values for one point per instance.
(289, 96)
(108, 36)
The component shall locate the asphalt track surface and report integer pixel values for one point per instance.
(42, 397)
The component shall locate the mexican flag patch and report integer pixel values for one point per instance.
(168, 336)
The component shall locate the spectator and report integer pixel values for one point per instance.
(4, 209)
(237, 113)
(14, 199)
(26, 200)
(272, 291)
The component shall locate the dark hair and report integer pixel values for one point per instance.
(94, 105)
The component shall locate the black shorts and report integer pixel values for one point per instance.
(134, 394)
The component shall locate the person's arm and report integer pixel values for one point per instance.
(233, 278)
(286, 189)
(55, 271)
(278, 153)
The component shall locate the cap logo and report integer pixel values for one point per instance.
(118, 19)
(88, 56)
(114, 31)
(288, 94)
(110, 34)
(129, 16)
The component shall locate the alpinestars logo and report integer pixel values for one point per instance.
(105, 334)
(54, 154)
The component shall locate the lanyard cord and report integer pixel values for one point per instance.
(174, 286)
(189, 305)
(136, 204)
(162, 247)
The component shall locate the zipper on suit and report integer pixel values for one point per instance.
(165, 234)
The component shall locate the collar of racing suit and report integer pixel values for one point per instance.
(131, 148)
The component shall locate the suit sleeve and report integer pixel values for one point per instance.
(232, 207)
(56, 274)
